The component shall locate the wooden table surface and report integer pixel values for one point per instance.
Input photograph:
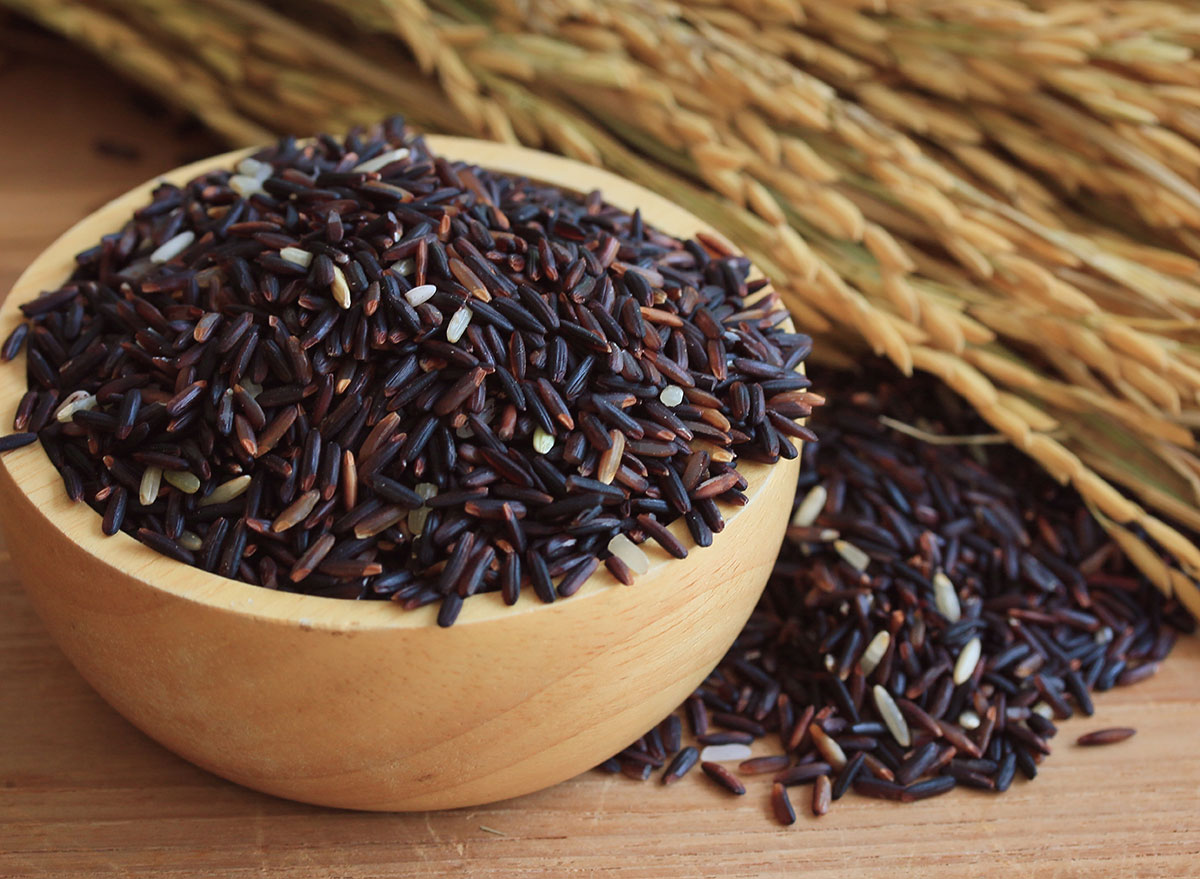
(82, 793)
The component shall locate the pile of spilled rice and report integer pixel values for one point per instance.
(939, 603)
(355, 369)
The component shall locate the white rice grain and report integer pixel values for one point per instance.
(810, 507)
(630, 553)
(382, 160)
(542, 442)
(671, 396)
(172, 247)
(151, 482)
(968, 658)
(190, 540)
(339, 288)
(246, 186)
(296, 255)
(418, 295)
(874, 653)
(892, 718)
(226, 491)
(253, 168)
(76, 401)
(188, 483)
(945, 597)
(721, 753)
(417, 517)
(853, 556)
(457, 325)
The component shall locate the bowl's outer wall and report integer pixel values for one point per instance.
(364, 706)
(410, 718)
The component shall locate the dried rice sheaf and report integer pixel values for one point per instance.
(1005, 194)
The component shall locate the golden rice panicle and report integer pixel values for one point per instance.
(950, 185)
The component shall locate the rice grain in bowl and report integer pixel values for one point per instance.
(359, 704)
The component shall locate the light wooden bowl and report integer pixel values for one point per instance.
(361, 704)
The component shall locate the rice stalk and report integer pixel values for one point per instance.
(1006, 194)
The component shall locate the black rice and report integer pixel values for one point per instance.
(822, 793)
(781, 805)
(723, 777)
(436, 351)
(963, 601)
(680, 765)
(1106, 736)
(16, 441)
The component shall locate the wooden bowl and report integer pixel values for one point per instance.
(361, 704)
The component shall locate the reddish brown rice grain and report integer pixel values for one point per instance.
(1108, 736)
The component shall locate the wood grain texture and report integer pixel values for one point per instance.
(82, 793)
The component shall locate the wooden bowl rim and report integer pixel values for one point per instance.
(36, 477)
